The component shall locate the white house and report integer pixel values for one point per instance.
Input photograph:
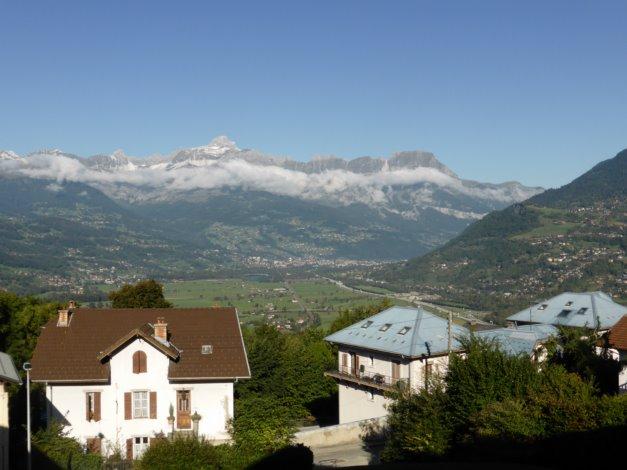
(575, 309)
(8, 375)
(400, 344)
(119, 377)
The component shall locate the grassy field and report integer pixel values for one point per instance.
(290, 304)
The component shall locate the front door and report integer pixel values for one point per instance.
(183, 407)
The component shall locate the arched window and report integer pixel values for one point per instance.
(139, 362)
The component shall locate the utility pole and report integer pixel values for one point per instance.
(27, 367)
(450, 333)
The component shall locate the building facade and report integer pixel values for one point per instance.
(8, 375)
(119, 378)
(399, 347)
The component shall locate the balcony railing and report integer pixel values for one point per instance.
(366, 378)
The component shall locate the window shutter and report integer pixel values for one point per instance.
(139, 362)
(87, 417)
(94, 445)
(128, 408)
(97, 406)
(153, 405)
(129, 449)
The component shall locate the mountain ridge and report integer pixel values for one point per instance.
(569, 238)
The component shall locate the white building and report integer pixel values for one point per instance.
(8, 375)
(400, 344)
(576, 309)
(117, 377)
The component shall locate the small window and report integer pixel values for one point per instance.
(385, 327)
(569, 303)
(367, 324)
(207, 349)
(140, 444)
(582, 310)
(404, 330)
(92, 405)
(564, 313)
(543, 307)
(139, 362)
(140, 404)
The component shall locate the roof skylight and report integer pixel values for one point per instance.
(582, 310)
(367, 324)
(404, 330)
(385, 327)
(543, 306)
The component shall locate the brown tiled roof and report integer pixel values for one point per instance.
(618, 334)
(145, 332)
(71, 354)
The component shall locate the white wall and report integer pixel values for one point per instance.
(213, 401)
(357, 404)
(4, 427)
(439, 366)
(622, 375)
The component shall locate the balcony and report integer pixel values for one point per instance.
(367, 379)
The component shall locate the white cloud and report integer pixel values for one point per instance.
(341, 185)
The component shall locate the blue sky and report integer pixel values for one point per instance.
(534, 91)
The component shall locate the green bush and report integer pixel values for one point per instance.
(53, 446)
(495, 406)
(262, 425)
(182, 453)
(507, 420)
(418, 425)
(485, 375)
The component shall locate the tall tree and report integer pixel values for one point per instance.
(144, 294)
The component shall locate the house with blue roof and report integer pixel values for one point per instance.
(398, 345)
(527, 340)
(580, 309)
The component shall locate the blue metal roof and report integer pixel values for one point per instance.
(574, 309)
(8, 372)
(410, 332)
(519, 340)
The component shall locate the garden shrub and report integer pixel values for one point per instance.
(182, 453)
(418, 425)
(52, 446)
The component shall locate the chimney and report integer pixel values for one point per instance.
(65, 314)
(161, 330)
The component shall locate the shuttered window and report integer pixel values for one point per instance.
(139, 362)
(140, 404)
(92, 406)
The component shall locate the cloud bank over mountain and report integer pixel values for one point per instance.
(221, 165)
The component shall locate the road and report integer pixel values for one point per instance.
(345, 455)
(469, 316)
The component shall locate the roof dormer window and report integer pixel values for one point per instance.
(404, 330)
(367, 324)
(385, 327)
(569, 303)
(543, 306)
